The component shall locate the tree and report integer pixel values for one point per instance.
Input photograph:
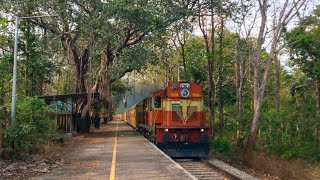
(135, 20)
(288, 10)
(99, 33)
(208, 12)
(304, 43)
(181, 31)
(36, 57)
(209, 39)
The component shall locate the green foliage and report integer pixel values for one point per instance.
(222, 146)
(58, 138)
(38, 67)
(3, 20)
(197, 61)
(32, 130)
(305, 151)
(304, 43)
(5, 76)
(289, 133)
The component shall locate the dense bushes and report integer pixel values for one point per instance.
(290, 134)
(223, 147)
(34, 127)
(307, 151)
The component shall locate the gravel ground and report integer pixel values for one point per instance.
(230, 169)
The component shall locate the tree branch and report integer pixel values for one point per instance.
(135, 39)
(82, 6)
(44, 26)
(129, 69)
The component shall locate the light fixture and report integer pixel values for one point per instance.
(174, 87)
(185, 85)
(185, 93)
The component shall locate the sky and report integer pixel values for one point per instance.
(253, 16)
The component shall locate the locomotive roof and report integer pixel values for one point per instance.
(194, 88)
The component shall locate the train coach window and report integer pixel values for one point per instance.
(157, 102)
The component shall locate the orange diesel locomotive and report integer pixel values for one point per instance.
(173, 119)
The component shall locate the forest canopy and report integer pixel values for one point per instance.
(257, 61)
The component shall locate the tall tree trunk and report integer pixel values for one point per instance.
(182, 41)
(257, 98)
(80, 63)
(209, 45)
(260, 83)
(256, 115)
(212, 86)
(184, 62)
(211, 95)
(109, 101)
(278, 86)
(26, 86)
(220, 82)
(27, 54)
(318, 111)
(239, 102)
(81, 67)
(41, 87)
(28, 59)
(104, 73)
(240, 66)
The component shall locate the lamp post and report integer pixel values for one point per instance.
(14, 77)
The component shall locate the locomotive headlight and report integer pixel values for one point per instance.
(166, 130)
(201, 130)
(185, 85)
(185, 93)
(174, 87)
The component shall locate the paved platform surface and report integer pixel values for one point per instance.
(116, 151)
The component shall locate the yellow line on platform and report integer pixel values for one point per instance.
(114, 156)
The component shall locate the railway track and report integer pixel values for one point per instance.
(200, 170)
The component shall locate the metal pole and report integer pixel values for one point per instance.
(14, 77)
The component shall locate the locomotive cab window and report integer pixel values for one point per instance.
(157, 102)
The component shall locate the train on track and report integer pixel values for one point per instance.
(173, 119)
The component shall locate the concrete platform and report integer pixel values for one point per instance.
(116, 151)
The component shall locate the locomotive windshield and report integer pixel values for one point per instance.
(191, 111)
(185, 109)
(157, 102)
(176, 113)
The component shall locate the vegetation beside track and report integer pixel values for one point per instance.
(34, 129)
(262, 95)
